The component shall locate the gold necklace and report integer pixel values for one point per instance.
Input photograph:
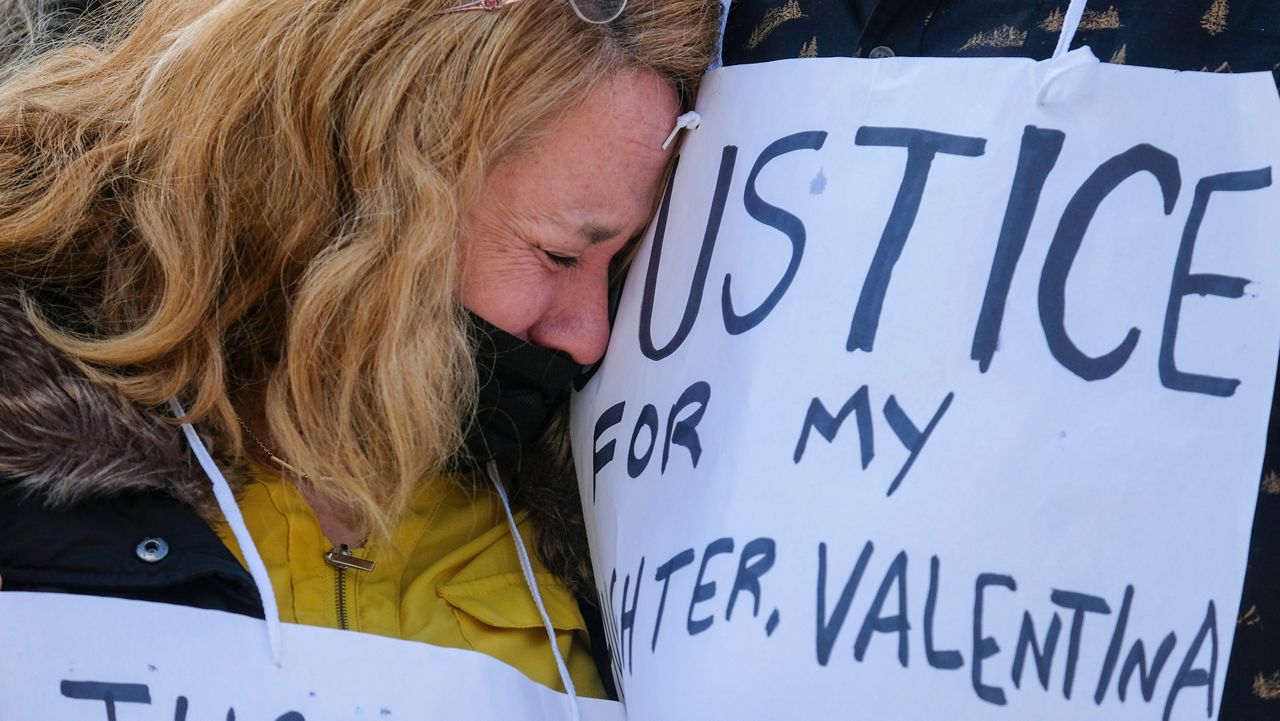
(340, 557)
(277, 459)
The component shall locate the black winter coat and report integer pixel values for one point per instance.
(86, 477)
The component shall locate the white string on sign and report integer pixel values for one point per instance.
(527, 567)
(1070, 24)
(231, 511)
(690, 120)
(1063, 60)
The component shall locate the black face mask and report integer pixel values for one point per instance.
(521, 384)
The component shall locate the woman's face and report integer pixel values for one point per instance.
(537, 245)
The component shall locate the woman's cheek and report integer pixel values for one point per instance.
(517, 304)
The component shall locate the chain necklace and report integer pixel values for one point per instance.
(340, 557)
(276, 459)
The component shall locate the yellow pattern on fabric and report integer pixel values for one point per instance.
(771, 21)
(1215, 18)
(1005, 36)
(1053, 23)
(449, 576)
(1108, 19)
(1271, 483)
(1267, 687)
(1250, 617)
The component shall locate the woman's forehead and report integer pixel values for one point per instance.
(596, 171)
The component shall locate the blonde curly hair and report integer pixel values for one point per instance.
(267, 194)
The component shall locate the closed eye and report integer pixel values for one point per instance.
(562, 261)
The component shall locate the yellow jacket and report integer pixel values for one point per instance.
(449, 576)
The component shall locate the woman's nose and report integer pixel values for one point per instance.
(578, 321)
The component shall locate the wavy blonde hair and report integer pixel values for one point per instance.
(267, 194)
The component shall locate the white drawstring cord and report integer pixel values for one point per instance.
(258, 570)
(532, 582)
(1070, 24)
(1063, 62)
(1060, 68)
(690, 120)
(227, 503)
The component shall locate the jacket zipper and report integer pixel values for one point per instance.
(343, 560)
(340, 590)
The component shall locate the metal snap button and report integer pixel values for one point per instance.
(880, 52)
(152, 550)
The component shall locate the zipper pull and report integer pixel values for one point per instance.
(341, 557)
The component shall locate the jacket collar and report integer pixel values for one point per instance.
(65, 438)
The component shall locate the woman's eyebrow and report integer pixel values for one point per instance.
(598, 233)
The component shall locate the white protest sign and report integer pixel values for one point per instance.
(939, 389)
(79, 657)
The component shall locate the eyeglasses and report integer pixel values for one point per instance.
(597, 12)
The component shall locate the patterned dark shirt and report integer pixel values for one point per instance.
(1213, 35)
(1207, 35)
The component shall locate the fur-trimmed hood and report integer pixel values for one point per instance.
(66, 438)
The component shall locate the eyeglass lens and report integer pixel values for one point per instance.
(598, 11)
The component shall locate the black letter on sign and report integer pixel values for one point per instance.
(1040, 150)
(1080, 603)
(727, 158)
(1185, 283)
(610, 418)
(1113, 649)
(829, 627)
(776, 218)
(110, 693)
(757, 557)
(1137, 660)
(1042, 657)
(626, 636)
(1066, 244)
(922, 146)
(685, 432)
(938, 659)
(648, 419)
(820, 418)
(1188, 676)
(705, 591)
(897, 623)
(664, 573)
(912, 438)
(985, 646)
